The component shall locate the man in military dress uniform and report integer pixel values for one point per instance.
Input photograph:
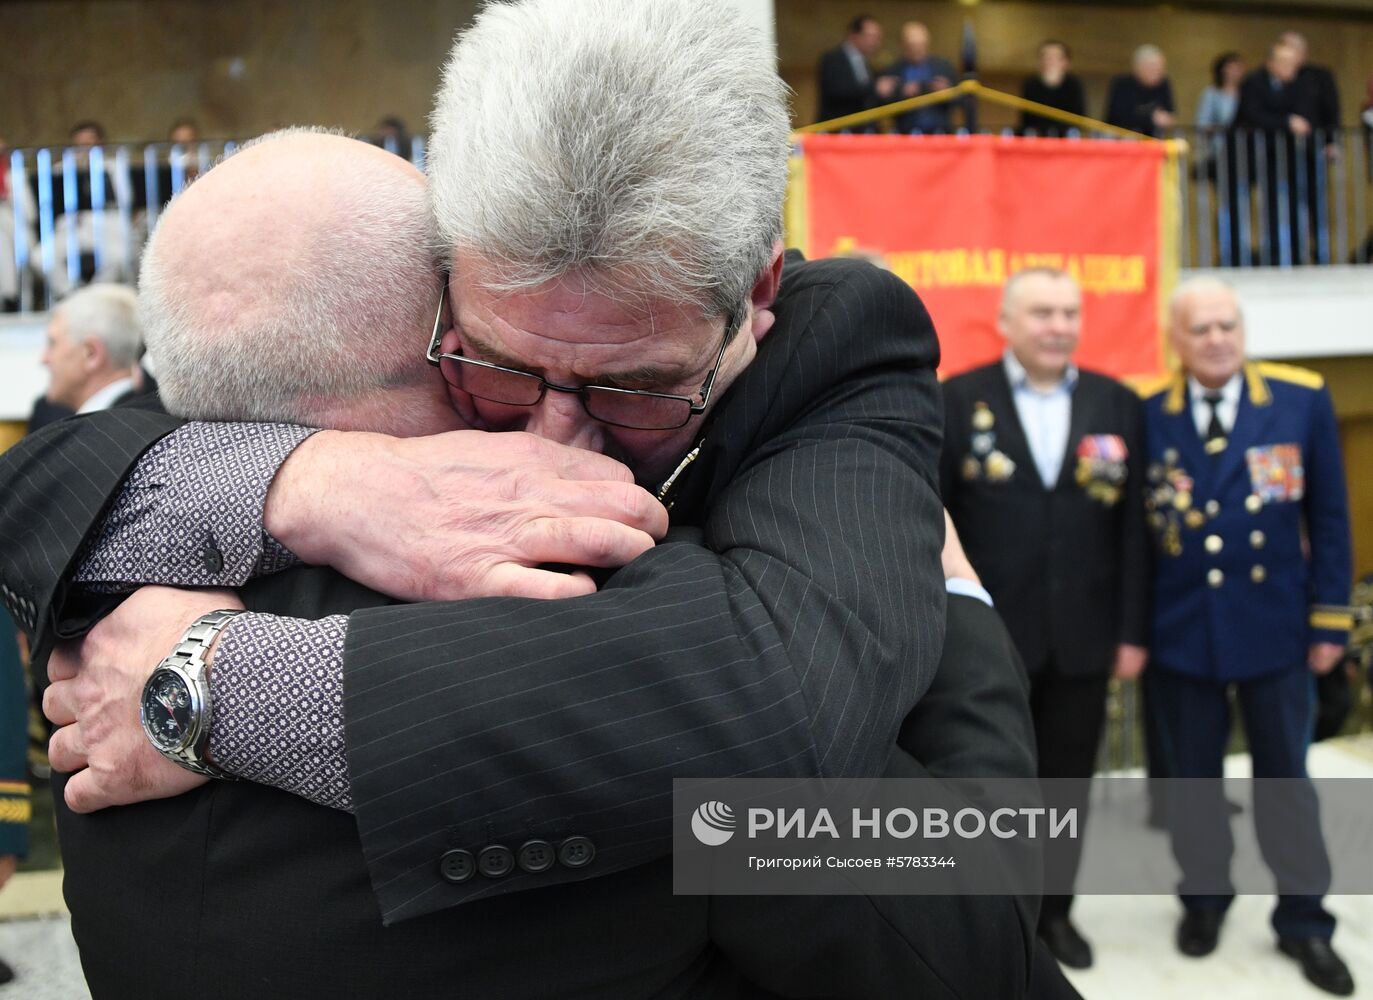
(1043, 473)
(1244, 463)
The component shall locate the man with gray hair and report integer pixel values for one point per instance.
(93, 347)
(1043, 474)
(1247, 504)
(1142, 99)
(636, 304)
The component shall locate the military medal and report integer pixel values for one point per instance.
(999, 466)
(972, 468)
(982, 417)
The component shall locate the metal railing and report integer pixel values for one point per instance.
(74, 215)
(1254, 198)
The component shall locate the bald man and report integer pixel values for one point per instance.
(350, 220)
(915, 74)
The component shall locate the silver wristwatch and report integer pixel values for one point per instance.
(175, 708)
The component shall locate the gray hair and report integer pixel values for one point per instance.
(641, 146)
(1200, 283)
(1145, 52)
(339, 313)
(1013, 283)
(107, 313)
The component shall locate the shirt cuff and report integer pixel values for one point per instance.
(967, 588)
(276, 685)
(190, 513)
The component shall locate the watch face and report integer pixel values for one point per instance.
(167, 713)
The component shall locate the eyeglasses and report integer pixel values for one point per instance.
(637, 409)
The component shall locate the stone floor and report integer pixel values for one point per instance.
(1132, 935)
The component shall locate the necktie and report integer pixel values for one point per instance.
(1215, 433)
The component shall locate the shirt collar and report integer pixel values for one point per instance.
(1020, 378)
(103, 398)
(1229, 392)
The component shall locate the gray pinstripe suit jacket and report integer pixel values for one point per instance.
(792, 640)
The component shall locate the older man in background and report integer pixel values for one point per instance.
(1042, 472)
(1142, 99)
(1247, 503)
(94, 341)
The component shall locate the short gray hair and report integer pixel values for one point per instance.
(1144, 52)
(1013, 283)
(107, 313)
(344, 317)
(640, 145)
(1200, 283)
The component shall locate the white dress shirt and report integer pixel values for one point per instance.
(1045, 416)
(1227, 409)
(104, 398)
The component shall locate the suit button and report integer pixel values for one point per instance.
(1258, 574)
(1214, 578)
(495, 861)
(212, 558)
(1214, 544)
(1253, 503)
(1212, 508)
(535, 856)
(457, 866)
(576, 852)
(1256, 539)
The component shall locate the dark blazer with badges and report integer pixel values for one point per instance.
(791, 641)
(1234, 595)
(1068, 566)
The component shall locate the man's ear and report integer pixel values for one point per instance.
(764, 293)
(95, 356)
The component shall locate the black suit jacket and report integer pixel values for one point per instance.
(841, 92)
(269, 896)
(1319, 82)
(791, 643)
(1265, 108)
(1066, 566)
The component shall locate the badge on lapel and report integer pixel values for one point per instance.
(1101, 470)
(1276, 473)
(983, 458)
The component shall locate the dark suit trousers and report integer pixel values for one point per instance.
(1068, 715)
(1193, 716)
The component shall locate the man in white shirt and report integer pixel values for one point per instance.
(94, 342)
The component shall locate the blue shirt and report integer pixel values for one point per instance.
(1044, 416)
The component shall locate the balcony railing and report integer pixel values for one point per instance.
(73, 215)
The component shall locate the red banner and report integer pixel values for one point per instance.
(955, 216)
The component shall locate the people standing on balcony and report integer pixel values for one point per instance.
(1323, 148)
(1215, 114)
(1275, 114)
(847, 82)
(1142, 100)
(916, 74)
(1219, 102)
(1053, 85)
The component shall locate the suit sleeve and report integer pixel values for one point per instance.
(1135, 552)
(791, 643)
(57, 484)
(837, 78)
(974, 723)
(1327, 521)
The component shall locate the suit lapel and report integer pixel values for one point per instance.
(1010, 437)
(1081, 409)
